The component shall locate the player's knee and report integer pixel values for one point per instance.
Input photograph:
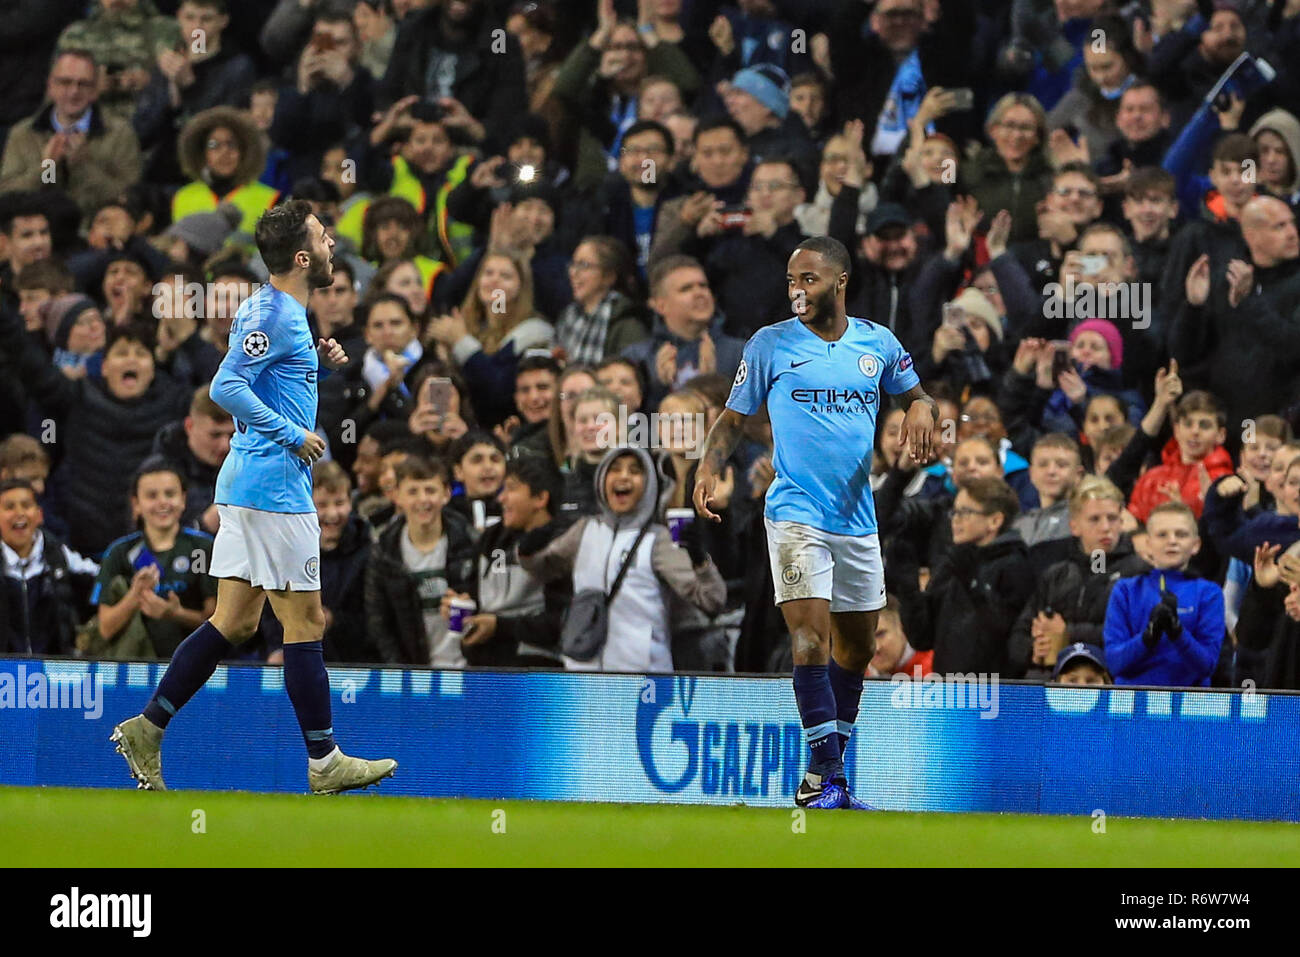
(235, 631)
(806, 642)
(309, 627)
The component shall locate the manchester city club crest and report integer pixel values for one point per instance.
(868, 365)
(312, 568)
(791, 574)
(256, 344)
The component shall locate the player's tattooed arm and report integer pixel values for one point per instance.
(722, 441)
(918, 423)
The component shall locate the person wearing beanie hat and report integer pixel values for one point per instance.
(1096, 357)
(199, 235)
(1086, 350)
(75, 329)
(965, 349)
(758, 99)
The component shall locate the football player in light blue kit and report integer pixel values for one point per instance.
(268, 542)
(823, 375)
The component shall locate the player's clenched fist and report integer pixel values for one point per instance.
(312, 448)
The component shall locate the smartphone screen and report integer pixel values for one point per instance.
(436, 394)
(963, 98)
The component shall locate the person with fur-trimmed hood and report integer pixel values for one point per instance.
(222, 153)
(666, 585)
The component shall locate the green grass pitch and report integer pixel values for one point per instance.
(54, 827)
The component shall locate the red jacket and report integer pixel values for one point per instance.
(1147, 494)
(923, 660)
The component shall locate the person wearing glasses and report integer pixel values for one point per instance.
(1072, 205)
(977, 588)
(222, 153)
(94, 157)
(1014, 172)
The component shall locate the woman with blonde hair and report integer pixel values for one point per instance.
(1014, 173)
(592, 437)
(494, 326)
(574, 381)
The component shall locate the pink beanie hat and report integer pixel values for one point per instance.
(1106, 329)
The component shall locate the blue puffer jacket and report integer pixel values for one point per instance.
(1187, 661)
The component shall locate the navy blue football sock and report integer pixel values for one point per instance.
(191, 666)
(847, 688)
(812, 692)
(309, 690)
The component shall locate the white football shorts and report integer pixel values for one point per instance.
(277, 551)
(846, 570)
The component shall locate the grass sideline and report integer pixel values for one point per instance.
(59, 827)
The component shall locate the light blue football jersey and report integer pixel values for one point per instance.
(823, 399)
(268, 382)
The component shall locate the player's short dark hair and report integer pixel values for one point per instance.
(281, 233)
(8, 485)
(539, 474)
(651, 126)
(151, 466)
(994, 496)
(830, 249)
(134, 330)
(461, 447)
(421, 468)
(1146, 180)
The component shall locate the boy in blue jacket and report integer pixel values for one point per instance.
(1165, 627)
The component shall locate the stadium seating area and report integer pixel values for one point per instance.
(557, 225)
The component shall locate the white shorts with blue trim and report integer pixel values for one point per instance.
(277, 551)
(846, 570)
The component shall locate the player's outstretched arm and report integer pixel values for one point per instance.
(918, 424)
(721, 442)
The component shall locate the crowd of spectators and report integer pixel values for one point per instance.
(557, 224)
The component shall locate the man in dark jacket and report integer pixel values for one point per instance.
(43, 583)
(747, 265)
(449, 54)
(687, 337)
(1248, 346)
(977, 589)
(423, 553)
(1069, 602)
(105, 429)
(885, 271)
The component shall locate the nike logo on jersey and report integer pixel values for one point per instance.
(795, 365)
